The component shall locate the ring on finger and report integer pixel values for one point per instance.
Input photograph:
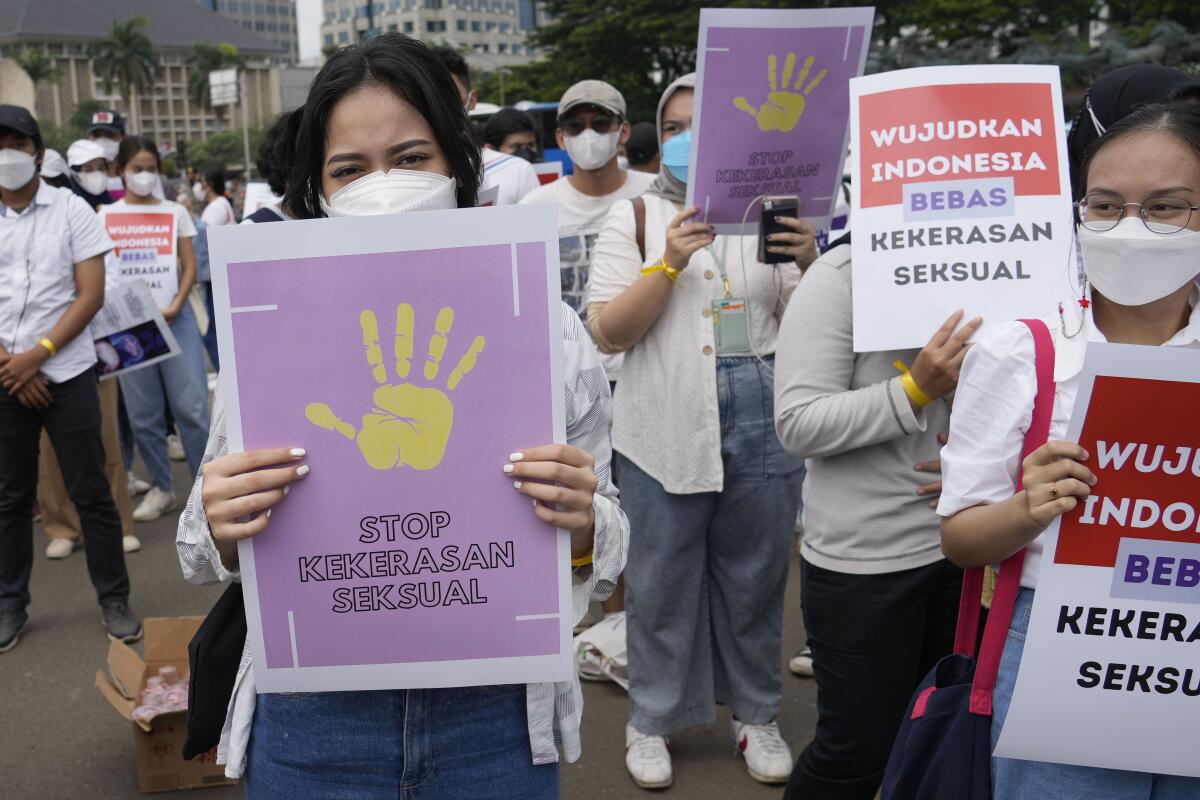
(1054, 491)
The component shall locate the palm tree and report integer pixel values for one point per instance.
(127, 58)
(38, 65)
(206, 58)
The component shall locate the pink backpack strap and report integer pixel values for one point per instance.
(1009, 580)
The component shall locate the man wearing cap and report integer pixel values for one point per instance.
(642, 148)
(52, 249)
(107, 130)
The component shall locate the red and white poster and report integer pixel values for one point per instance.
(144, 246)
(960, 199)
(1110, 675)
(548, 172)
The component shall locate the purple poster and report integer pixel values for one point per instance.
(408, 355)
(772, 110)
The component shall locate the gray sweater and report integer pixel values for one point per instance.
(848, 416)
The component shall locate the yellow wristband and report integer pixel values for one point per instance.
(910, 386)
(582, 561)
(49, 345)
(665, 268)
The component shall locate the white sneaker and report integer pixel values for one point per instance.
(136, 485)
(802, 663)
(647, 759)
(154, 505)
(175, 448)
(131, 543)
(60, 548)
(212, 382)
(768, 758)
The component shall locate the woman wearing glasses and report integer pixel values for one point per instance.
(1139, 232)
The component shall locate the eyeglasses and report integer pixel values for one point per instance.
(1164, 214)
(601, 123)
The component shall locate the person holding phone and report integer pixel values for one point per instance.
(711, 495)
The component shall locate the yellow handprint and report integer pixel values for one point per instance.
(784, 105)
(409, 425)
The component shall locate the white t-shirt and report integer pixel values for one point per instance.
(146, 244)
(993, 407)
(514, 176)
(579, 219)
(218, 212)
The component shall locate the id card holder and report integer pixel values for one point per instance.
(731, 324)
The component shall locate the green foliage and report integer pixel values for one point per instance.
(206, 58)
(38, 65)
(126, 57)
(81, 117)
(222, 150)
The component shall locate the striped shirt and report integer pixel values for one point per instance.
(555, 710)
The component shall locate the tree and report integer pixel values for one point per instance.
(81, 117)
(206, 58)
(38, 65)
(127, 58)
(328, 50)
(222, 149)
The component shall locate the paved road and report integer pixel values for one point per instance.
(60, 739)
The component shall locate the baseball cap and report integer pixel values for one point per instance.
(53, 164)
(108, 121)
(592, 93)
(20, 120)
(82, 151)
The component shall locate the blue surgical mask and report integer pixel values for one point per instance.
(677, 155)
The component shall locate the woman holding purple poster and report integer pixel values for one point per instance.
(384, 131)
(708, 488)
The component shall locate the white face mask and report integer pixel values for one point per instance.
(93, 182)
(1133, 266)
(109, 146)
(392, 192)
(141, 183)
(591, 150)
(198, 191)
(16, 169)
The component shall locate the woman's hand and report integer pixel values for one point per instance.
(170, 312)
(936, 368)
(562, 481)
(239, 491)
(683, 240)
(18, 370)
(1055, 481)
(799, 242)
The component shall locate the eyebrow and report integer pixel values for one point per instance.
(396, 148)
(1156, 193)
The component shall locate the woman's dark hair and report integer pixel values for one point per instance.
(1180, 118)
(276, 151)
(506, 122)
(131, 146)
(215, 178)
(414, 73)
(453, 60)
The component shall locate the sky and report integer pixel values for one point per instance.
(308, 20)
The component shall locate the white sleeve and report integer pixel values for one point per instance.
(616, 262)
(185, 228)
(524, 178)
(88, 235)
(198, 555)
(992, 409)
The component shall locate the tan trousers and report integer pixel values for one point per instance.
(59, 518)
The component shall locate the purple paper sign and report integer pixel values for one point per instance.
(408, 377)
(772, 110)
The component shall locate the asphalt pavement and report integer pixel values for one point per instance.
(60, 739)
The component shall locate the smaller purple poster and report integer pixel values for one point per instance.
(772, 112)
(408, 355)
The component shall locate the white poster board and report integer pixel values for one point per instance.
(960, 197)
(129, 332)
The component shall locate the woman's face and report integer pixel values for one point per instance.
(144, 161)
(373, 130)
(1147, 164)
(95, 165)
(677, 113)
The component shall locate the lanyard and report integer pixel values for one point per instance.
(720, 260)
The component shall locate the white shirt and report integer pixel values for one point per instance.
(993, 407)
(39, 248)
(665, 411)
(161, 273)
(555, 710)
(579, 218)
(218, 212)
(513, 174)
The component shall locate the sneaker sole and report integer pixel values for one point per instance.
(130, 639)
(15, 639)
(766, 780)
(654, 785)
(800, 673)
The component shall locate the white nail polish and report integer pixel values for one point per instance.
(516, 484)
(515, 456)
(286, 489)
(302, 470)
(268, 513)
(508, 468)
(297, 452)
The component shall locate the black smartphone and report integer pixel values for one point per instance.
(773, 207)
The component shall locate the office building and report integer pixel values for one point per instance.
(273, 20)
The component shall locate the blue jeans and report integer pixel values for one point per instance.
(420, 744)
(706, 575)
(1014, 779)
(210, 336)
(184, 379)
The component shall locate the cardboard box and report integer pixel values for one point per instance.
(158, 743)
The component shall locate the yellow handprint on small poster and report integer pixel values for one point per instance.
(785, 103)
(409, 424)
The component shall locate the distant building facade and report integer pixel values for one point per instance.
(273, 20)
